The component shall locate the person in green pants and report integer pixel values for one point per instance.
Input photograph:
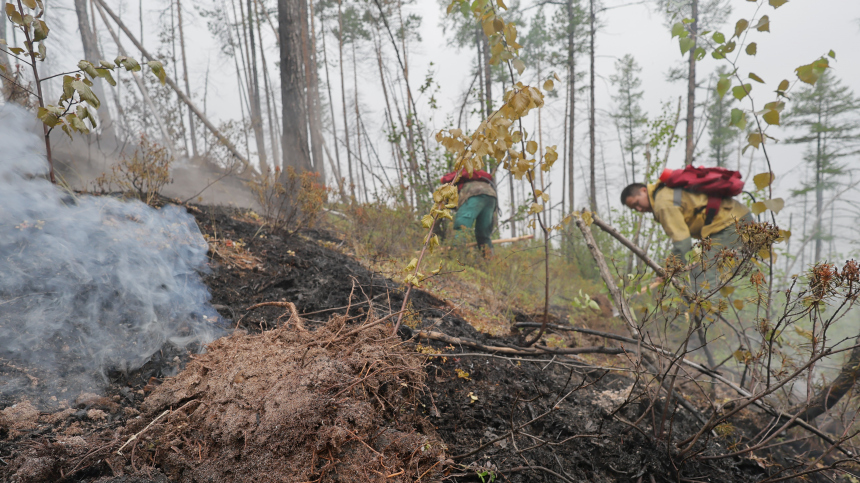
(476, 207)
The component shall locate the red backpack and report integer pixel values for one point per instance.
(717, 183)
(477, 175)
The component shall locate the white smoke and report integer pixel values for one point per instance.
(88, 284)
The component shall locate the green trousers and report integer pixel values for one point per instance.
(727, 238)
(478, 211)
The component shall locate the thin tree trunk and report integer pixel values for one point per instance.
(181, 116)
(4, 58)
(254, 88)
(395, 147)
(211, 127)
(316, 151)
(295, 139)
(361, 165)
(691, 86)
(592, 195)
(571, 82)
(564, 153)
(479, 34)
(343, 99)
(819, 192)
(191, 131)
(92, 54)
(242, 83)
(411, 111)
(144, 92)
(333, 121)
(802, 248)
(270, 112)
(315, 105)
(513, 206)
(488, 75)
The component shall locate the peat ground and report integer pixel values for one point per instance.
(571, 418)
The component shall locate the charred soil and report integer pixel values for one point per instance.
(299, 393)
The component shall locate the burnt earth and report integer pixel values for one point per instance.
(469, 400)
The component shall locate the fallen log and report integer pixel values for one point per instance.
(494, 242)
(526, 351)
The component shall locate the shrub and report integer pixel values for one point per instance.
(290, 200)
(143, 174)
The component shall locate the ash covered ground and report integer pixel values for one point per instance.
(309, 399)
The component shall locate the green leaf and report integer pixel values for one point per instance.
(723, 86)
(831, 54)
(686, 44)
(719, 38)
(741, 91)
(47, 117)
(771, 117)
(106, 75)
(740, 27)
(777, 3)
(89, 68)
(68, 90)
(678, 30)
(127, 62)
(755, 139)
(158, 70)
(84, 113)
(763, 24)
(86, 93)
(751, 48)
(699, 53)
(756, 78)
(763, 180)
(77, 124)
(811, 72)
(40, 31)
(739, 304)
(727, 290)
(729, 47)
(739, 119)
(14, 15)
(107, 64)
(783, 85)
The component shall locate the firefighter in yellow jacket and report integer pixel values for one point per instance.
(684, 216)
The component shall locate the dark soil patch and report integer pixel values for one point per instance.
(466, 408)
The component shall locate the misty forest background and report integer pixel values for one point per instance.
(356, 90)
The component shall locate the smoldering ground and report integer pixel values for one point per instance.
(89, 285)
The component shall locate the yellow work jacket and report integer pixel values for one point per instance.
(682, 214)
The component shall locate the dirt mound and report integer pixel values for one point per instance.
(291, 405)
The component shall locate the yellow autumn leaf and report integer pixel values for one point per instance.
(763, 180)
